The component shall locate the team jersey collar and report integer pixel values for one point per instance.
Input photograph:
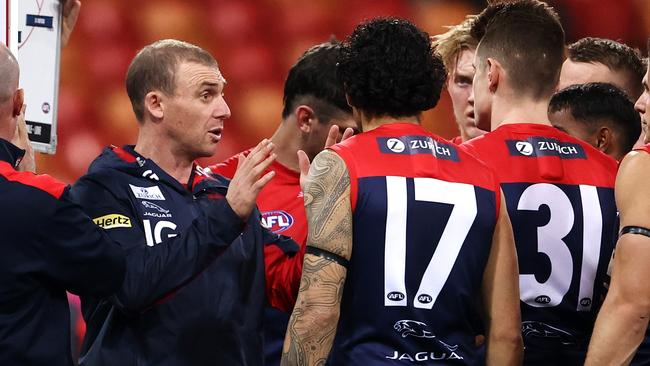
(10, 153)
(147, 168)
(399, 126)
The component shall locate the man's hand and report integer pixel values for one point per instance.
(333, 137)
(248, 181)
(21, 139)
(69, 20)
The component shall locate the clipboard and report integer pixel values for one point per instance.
(32, 32)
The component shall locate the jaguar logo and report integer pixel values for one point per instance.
(154, 206)
(531, 329)
(418, 329)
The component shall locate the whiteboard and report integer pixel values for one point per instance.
(32, 32)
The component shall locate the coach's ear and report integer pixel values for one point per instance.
(605, 140)
(153, 105)
(19, 100)
(494, 73)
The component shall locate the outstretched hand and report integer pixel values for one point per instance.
(248, 181)
(333, 137)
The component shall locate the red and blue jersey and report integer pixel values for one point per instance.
(560, 199)
(424, 213)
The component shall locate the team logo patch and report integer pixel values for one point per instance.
(277, 221)
(112, 221)
(154, 206)
(412, 145)
(533, 329)
(439, 350)
(147, 193)
(544, 146)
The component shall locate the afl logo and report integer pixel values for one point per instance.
(396, 296)
(524, 147)
(277, 221)
(395, 145)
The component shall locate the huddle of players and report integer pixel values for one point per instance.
(449, 270)
(462, 254)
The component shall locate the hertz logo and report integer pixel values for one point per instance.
(111, 221)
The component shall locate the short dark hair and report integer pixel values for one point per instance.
(388, 68)
(527, 38)
(595, 103)
(615, 55)
(312, 80)
(154, 68)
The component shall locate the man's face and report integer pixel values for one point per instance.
(194, 116)
(314, 142)
(480, 97)
(643, 106)
(585, 72)
(564, 121)
(460, 88)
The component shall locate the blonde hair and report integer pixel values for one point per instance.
(450, 44)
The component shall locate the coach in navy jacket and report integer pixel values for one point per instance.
(185, 308)
(48, 246)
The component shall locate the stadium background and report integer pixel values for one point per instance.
(255, 43)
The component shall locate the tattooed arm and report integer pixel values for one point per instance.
(315, 317)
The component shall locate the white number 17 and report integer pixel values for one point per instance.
(463, 197)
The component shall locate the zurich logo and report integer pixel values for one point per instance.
(154, 206)
(524, 147)
(395, 145)
(277, 221)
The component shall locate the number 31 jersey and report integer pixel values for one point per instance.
(560, 199)
(424, 213)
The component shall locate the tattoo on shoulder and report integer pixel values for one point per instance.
(327, 202)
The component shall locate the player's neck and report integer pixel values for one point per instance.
(287, 142)
(369, 124)
(174, 163)
(519, 111)
(468, 133)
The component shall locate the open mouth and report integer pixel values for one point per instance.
(470, 116)
(215, 133)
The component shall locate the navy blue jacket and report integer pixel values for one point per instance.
(48, 246)
(182, 305)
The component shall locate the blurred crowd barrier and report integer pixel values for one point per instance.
(255, 43)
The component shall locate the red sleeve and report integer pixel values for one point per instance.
(227, 167)
(282, 276)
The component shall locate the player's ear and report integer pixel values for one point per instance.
(153, 104)
(604, 139)
(19, 100)
(305, 118)
(494, 71)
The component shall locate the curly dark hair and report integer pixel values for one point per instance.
(388, 68)
(616, 56)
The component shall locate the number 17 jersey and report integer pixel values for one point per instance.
(424, 213)
(560, 199)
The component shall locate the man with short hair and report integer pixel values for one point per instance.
(558, 189)
(456, 47)
(623, 319)
(599, 114)
(184, 304)
(606, 61)
(48, 245)
(314, 104)
(410, 252)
